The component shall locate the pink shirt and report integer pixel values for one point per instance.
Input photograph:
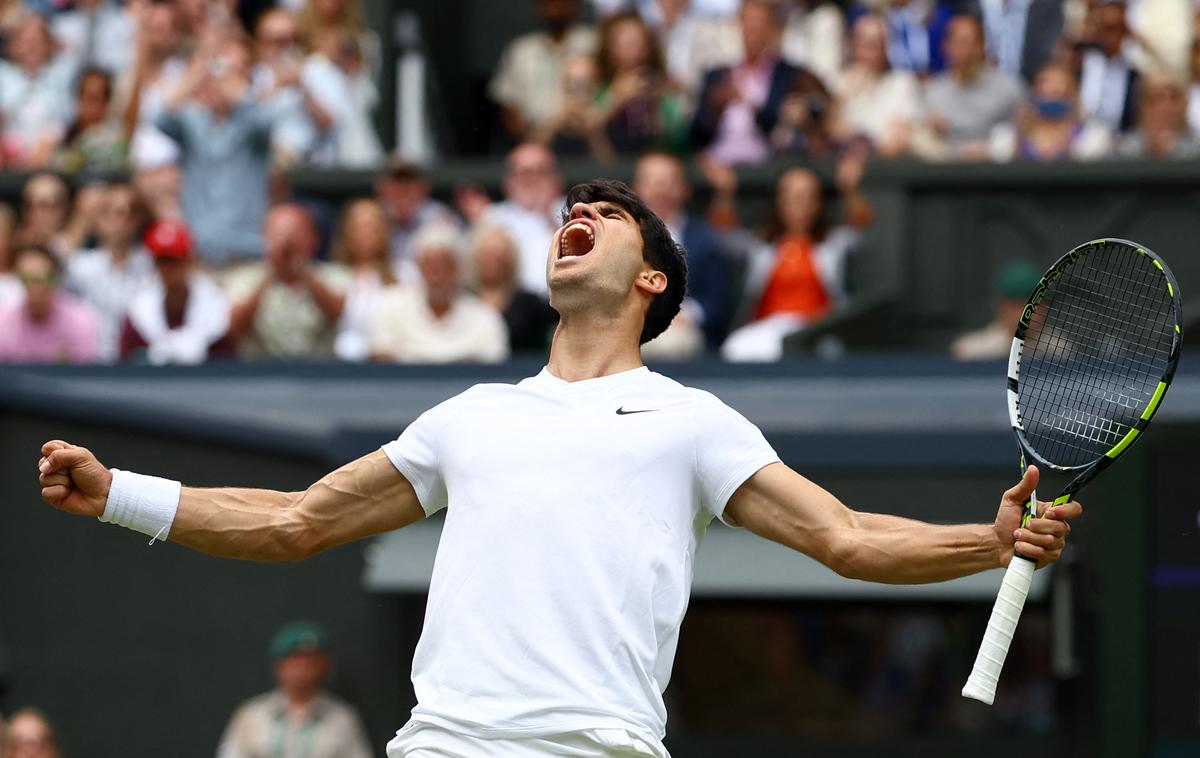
(70, 335)
(738, 139)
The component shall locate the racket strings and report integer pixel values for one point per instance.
(1098, 343)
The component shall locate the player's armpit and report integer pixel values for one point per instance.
(365, 497)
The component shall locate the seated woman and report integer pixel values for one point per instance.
(1049, 127)
(799, 275)
(876, 102)
(361, 246)
(1162, 127)
(641, 107)
(35, 95)
(95, 140)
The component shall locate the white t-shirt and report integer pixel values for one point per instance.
(565, 564)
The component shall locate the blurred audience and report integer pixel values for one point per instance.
(109, 276)
(30, 735)
(338, 76)
(691, 41)
(1011, 288)
(915, 33)
(1021, 35)
(438, 322)
(46, 325)
(47, 215)
(529, 318)
(361, 245)
(346, 19)
(403, 190)
(640, 107)
(300, 122)
(876, 102)
(94, 140)
(814, 35)
(287, 305)
(224, 140)
(526, 83)
(143, 88)
(577, 128)
(35, 95)
(800, 274)
(1107, 79)
(298, 718)
(96, 34)
(1162, 128)
(10, 286)
(181, 316)
(1049, 127)
(963, 104)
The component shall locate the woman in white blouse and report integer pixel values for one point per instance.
(362, 246)
(876, 102)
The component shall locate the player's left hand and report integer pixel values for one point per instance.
(1043, 538)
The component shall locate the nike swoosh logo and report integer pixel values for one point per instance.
(622, 412)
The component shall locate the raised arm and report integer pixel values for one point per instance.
(783, 506)
(365, 497)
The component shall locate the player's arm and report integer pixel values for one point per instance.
(783, 506)
(365, 497)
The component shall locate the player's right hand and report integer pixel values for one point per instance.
(72, 479)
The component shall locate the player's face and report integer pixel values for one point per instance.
(600, 245)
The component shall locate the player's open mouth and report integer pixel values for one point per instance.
(577, 238)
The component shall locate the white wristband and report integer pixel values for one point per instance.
(145, 504)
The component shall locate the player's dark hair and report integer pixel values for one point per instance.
(658, 249)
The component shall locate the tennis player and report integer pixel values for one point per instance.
(575, 502)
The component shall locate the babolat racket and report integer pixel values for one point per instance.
(1093, 355)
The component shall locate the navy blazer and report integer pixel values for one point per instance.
(708, 278)
(708, 116)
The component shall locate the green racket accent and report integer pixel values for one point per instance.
(1156, 399)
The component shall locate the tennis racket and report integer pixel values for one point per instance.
(1094, 352)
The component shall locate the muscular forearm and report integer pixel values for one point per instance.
(257, 525)
(894, 550)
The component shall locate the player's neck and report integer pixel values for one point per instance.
(587, 346)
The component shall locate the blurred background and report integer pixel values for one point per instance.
(244, 241)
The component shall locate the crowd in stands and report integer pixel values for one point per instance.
(193, 247)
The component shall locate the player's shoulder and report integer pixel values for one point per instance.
(694, 398)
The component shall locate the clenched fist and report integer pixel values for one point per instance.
(72, 479)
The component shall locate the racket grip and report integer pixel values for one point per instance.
(981, 685)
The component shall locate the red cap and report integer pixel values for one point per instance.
(168, 238)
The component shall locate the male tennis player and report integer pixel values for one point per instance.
(576, 500)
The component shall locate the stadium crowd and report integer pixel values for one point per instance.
(157, 223)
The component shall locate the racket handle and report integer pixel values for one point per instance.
(981, 685)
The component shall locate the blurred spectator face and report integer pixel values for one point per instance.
(300, 674)
(365, 233)
(403, 196)
(162, 29)
(532, 180)
(38, 274)
(31, 45)
(798, 201)
(276, 34)
(868, 44)
(173, 272)
(629, 44)
(557, 15)
(660, 181)
(495, 258)
(44, 203)
(760, 28)
(29, 735)
(290, 239)
(580, 80)
(439, 271)
(1163, 104)
(964, 44)
(118, 222)
(94, 96)
(1054, 93)
(1110, 28)
(158, 188)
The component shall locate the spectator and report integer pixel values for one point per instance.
(965, 103)
(1162, 129)
(640, 106)
(1020, 35)
(691, 42)
(142, 89)
(159, 187)
(813, 37)
(915, 33)
(224, 139)
(533, 189)
(300, 121)
(526, 82)
(94, 141)
(108, 276)
(739, 105)
(30, 735)
(361, 246)
(577, 129)
(298, 719)
(48, 217)
(799, 275)
(10, 286)
(288, 305)
(96, 34)
(803, 126)
(440, 322)
(35, 96)
(404, 192)
(345, 18)
(661, 181)
(1011, 288)
(877, 102)
(530, 319)
(337, 75)
(182, 316)
(1107, 79)
(1048, 127)
(46, 325)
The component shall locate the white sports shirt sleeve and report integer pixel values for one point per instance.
(729, 450)
(417, 455)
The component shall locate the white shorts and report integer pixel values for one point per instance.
(422, 740)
